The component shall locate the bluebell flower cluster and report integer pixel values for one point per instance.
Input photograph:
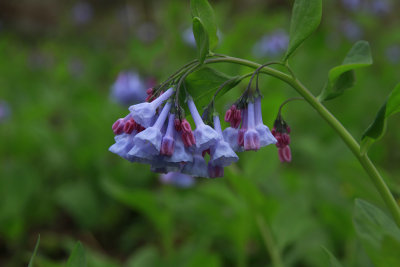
(129, 88)
(154, 133)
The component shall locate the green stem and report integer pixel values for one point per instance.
(269, 242)
(348, 139)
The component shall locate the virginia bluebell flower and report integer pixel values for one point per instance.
(231, 136)
(196, 168)
(221, 153)
(150, 139)
(215, 171)
(123, 144)
(177, 179)
(266, 138)
(205, 135)
(144, 113)
(251, 136)
(181, 154)
(128, 89)
(168, 141)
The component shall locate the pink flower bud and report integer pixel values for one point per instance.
(118, 126)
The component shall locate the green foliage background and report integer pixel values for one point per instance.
(58, 179)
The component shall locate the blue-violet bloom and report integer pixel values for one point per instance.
(221, 153)
(251, 136)
(205, 135)
(144, 113)
(266, 137)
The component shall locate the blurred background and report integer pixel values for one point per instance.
(67, 69)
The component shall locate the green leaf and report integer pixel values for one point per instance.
(203, 10)
(378, 233)
(332, 259)
(306, 16)
(377, 128)
(342, 77)
(203, 83)
(77, 257)
(201, 37)
(34, 252)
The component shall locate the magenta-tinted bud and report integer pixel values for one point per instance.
(228, 115)
(285, 139)
(238, 115)
(129, 126)
(149, 91)
(186, 126)
(118, 126)
(188, 139)
(285, 154)
(215, 171)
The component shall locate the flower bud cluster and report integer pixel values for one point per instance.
(281, 132)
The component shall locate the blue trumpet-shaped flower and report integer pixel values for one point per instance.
(221, 153)
(150, 139)
(123, 144)
(266, 137)
(205, 135)
(231, 136)
(251, 136)
(181, 154)
(144, 113)
(196, 168)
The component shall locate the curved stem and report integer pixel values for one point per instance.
(348, 139)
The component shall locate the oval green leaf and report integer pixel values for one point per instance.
(201, 37)
(203, 10)
(306, 16)
(377, 128)
(342, 77)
